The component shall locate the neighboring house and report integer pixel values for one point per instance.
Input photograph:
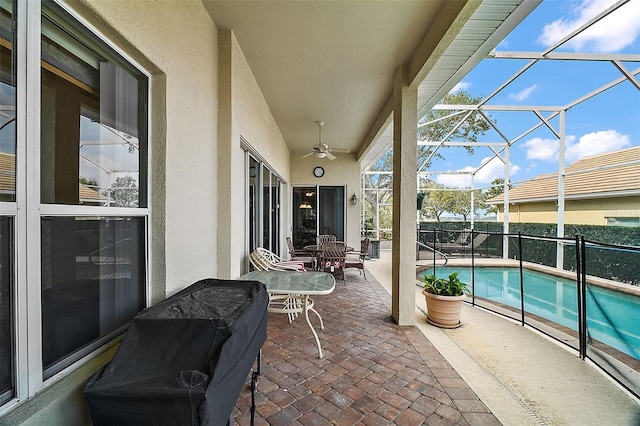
(90, 197)
(599, 190)
(86, 195)
(7, 177)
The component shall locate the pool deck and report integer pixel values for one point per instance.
(523, 377)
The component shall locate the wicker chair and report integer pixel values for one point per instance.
(332, 257)
(300, 255)
(356, 259)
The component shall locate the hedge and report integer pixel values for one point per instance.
(614, 263)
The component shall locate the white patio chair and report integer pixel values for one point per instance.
(265, 260)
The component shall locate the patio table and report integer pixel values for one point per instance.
(296, 287)
(317, 248)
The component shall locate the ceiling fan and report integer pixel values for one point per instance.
(322, 150)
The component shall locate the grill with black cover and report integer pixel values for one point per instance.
(184, 360)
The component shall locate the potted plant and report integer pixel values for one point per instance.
(444, 298)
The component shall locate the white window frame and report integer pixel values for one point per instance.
(27, 210)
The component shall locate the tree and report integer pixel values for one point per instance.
(461, 203)
(90, 182)
(441, 123)
(496, 188)
(124, 192)
(436, 201)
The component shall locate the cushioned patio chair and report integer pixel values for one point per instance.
(355, 259)
(462, 243)
(477, 238)
(300, 255)
(332, 257)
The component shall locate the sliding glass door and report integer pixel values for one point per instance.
(317, 210)
(263, 195)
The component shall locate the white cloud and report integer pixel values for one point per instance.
(492, 168)
(523, 94)
(596, 143)
(542, 149)
(463, 85)
(590, 144)
(611, 34)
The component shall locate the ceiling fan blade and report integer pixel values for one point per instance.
(344, 151)
(330, 156)
(306, 155)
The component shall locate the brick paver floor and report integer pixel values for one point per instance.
(374, 372)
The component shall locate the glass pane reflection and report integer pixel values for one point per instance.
(7, 106)
(6, 309)
(93, 281)
(92, 122)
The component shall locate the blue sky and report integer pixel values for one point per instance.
(607, 122)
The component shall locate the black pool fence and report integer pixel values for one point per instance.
(593, 267)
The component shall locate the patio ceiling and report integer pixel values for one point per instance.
(335, 61)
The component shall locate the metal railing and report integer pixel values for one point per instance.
(584, 294)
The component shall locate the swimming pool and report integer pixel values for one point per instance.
(611, 316)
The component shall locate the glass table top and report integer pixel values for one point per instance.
(290, 282)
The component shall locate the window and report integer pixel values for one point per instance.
(92, 282)
(623, 221)
(93, 154)
(317, 210)
(7, 199)
(73, 197)
(91, 122)
(6, 309)
(263, 200)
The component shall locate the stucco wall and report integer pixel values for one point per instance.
(243, 113)
(178, 44)
(343, 171)
(577, 212)
(180, 40)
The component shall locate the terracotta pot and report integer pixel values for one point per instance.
(443, 311)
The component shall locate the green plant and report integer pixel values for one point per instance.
(451, 286)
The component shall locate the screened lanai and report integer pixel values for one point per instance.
(525, 111)
(559, 98)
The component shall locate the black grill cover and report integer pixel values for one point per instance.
(184, 360)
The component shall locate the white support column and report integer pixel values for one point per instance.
(505, 240)
(405, 164)
(561, 181)
(472, 215)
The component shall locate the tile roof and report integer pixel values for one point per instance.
(8, 180)
(7, 173)
(613, 174)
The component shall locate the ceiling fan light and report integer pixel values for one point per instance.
(321, 154)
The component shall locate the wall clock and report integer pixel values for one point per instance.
(318, 172)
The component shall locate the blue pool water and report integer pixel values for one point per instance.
(612, 317)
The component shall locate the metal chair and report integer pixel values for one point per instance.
(332, 257)
(264, 260)
(356, 259)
